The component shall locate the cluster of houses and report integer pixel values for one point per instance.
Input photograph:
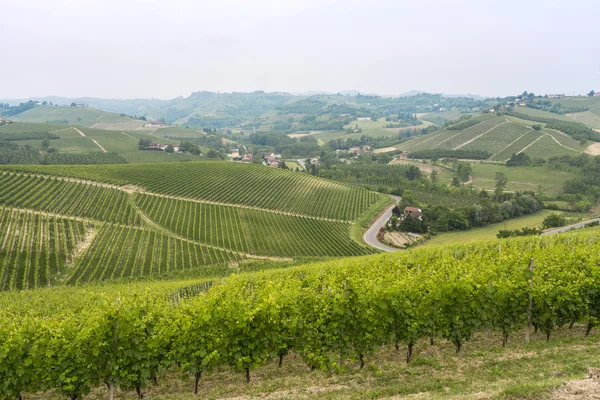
(155, 124)
(271, 159)
(235, 155)
(3, 121)
(356, 151)
(163, 147)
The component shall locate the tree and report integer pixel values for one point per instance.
(212, 154)
(413, 172)
(554, 220)
(73, 104)
(463, 171)
(519, 159)
(537, 127)
(45, 144)
(169, 149)
(434, 176)
(501, 180)
(144, 143)
(591, 93)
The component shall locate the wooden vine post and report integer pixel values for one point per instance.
(530, 305)
(112, 383)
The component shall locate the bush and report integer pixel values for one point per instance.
(554, 220)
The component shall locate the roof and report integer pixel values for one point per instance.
(412, 209)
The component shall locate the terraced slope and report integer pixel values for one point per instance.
(131, 231)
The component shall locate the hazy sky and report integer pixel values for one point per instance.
(167, 48)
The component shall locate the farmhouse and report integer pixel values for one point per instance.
(152, 124)
(596, 94)
(556, 96)
(81, 105)
(314, 161)
(235, 153)
(364, 119)
(274, 164)
(357, 150)
(248, 157)
(413, 212)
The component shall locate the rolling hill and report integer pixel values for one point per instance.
(75, 224)
(501, 136)
(448, 321)
(83, 116)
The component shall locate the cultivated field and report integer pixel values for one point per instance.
(502, 136)
(447, 322)
(58, 225)
(82, 116)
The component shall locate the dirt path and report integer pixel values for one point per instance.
(478, 136)
(559, 143)
(577, 390)
(529, 145)
(126, 134)
(511, 143)
(93, 140)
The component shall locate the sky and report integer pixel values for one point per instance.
(169, 48)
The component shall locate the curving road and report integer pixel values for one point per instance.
(371, 235)
(570, 227)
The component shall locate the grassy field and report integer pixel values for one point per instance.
(487, 232)
(532, 178)
(83, 116)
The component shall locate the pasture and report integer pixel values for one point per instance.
(486, 232)
(520, 178)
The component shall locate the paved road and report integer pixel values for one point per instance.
(570, 227)
(371, 235)
(302, 163)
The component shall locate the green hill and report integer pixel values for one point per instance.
(501, 136)
(150, 219)
(83, 116)
(461, 321)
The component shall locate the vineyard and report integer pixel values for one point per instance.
(251, 231)
(68, 198)
(34, 247)
(134, 233)
(328, 315)
(501, 136)
(232, 183)
(122, 252)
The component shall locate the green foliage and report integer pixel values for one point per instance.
(506, 233)
(518, 159)
(554, 220)
(329, 313)
(464, 124)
